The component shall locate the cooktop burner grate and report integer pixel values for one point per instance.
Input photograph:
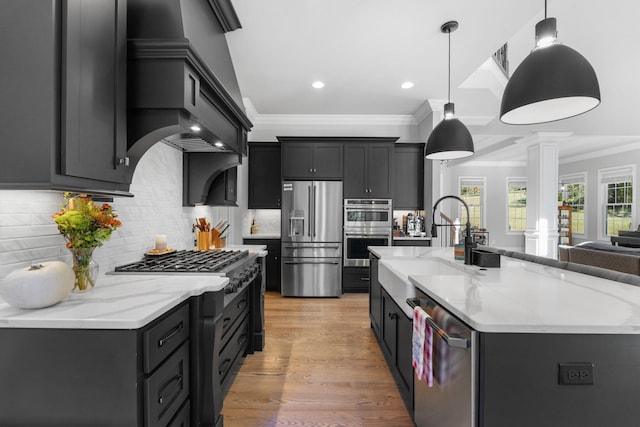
(185, 262)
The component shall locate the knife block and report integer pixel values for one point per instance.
(216, 241)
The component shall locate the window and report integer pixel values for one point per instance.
(472, 192)
(573, 189)
(516, 204)
(616, 195)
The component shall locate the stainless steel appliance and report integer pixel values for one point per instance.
(450, 402)
(311, 234)
(367, 222)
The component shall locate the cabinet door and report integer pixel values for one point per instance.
(355, 171)
(297, 161)
(389, 327)
(375, 295)
(380, 171)
(409, 176)
(264, 176)
(405, 356)
(93, 93)
(327, 161)
(223, 189)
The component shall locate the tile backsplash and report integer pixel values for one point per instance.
(28, 233)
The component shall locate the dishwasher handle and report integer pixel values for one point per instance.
(451, 340)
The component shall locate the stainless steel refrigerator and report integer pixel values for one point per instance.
(311, 235)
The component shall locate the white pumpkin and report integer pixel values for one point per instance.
(38, 286)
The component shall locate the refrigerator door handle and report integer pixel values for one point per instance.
(314, 210)
(310, 202)
(311, 247)
(313, 262)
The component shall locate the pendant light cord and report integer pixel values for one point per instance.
(545, 9)
(449, 70)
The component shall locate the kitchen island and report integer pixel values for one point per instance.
(541, 345)
(137, 350)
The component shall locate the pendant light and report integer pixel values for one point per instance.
(450, 139)
(554, 82)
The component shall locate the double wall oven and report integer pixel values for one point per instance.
(367, 222)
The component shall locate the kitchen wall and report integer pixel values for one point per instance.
(28, 233)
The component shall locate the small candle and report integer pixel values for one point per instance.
(161, 242)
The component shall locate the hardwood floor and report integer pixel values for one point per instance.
(321, 366)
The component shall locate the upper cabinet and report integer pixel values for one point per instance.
(311, 158)
(369, 168)
(409, 177)
(264, 175)
(64, 95)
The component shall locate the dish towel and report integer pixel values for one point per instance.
(422, 346)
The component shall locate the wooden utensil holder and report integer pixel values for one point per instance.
(204, 240)
(216, 240)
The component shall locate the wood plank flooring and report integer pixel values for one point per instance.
(321, 367)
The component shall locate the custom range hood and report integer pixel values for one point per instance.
(182, 88)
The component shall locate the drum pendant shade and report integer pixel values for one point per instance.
(450, 139)
(554, 82)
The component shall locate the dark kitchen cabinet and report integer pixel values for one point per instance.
(355, 279)
(396, 343)
(272, 262)
(64, 107)
(223, 189)
(302, 159)
(409, 177)
(369, 170)
(264, 188)
(375, 296)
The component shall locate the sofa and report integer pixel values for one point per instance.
(622, 259)
(587, 261)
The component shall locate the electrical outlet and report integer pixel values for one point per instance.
(575, 373)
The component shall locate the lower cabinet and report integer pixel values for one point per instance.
(355, 279)
(394, 331)
(235, 338)
(272, 262)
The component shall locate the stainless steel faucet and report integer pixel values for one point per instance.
(468, 241)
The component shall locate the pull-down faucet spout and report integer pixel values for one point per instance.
(468, 241)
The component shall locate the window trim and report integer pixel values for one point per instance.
(483, 197)
(577, 178)
(509, 232)
(622, 170)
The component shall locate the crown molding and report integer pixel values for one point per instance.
(634, 146)
(334, 119)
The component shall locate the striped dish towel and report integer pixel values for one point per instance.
(422, 346)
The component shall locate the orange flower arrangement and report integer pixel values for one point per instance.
(84, 224)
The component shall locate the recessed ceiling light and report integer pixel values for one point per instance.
(218, 144)
(406, 85)
(195, 128)
(318, 85)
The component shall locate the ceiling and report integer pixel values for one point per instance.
(363, 50)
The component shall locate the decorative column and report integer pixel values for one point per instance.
(541, 235)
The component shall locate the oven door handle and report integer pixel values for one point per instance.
(367, 235)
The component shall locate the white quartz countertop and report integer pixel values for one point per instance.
(261, 250)
(411, 238)
(518, 297)
(117, 302)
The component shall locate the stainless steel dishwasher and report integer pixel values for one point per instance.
(450, 402)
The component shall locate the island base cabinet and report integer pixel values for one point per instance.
(520, 380)
(66, 377)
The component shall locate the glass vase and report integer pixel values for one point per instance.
(84, 268)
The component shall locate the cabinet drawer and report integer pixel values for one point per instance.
(164, 337)
(234, 348)
(182, 418)
(234, 311)
(167, 388)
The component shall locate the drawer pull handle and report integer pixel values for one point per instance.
(224, 366)
(364, 279)
(393, 315)
(225, 322)
(174, 389)
(242, 304)
(164, 340)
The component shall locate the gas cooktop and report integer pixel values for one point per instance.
(215, 262)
